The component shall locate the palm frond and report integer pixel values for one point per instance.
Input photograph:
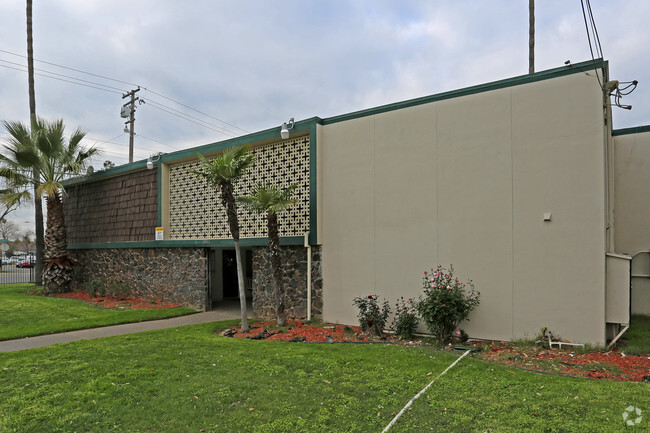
(266, 197)
(228, 166)
(42, 155)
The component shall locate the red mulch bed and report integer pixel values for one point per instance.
(312, 333)
(123, 303)
(607, 365)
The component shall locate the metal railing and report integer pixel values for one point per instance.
(17, 273)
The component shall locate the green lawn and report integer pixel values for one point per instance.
(23, 315)
(190, 380)
(636, 341)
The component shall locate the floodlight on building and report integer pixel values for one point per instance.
(151, 160)
(284, 131)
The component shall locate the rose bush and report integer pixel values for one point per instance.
(372, 316)
(446, 302)
(405, 322)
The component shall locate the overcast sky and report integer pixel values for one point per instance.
(250, 65)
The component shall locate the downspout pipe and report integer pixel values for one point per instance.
(308, 276)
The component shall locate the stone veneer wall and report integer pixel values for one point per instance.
(177, 275)
(294, 262)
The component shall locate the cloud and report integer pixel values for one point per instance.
(255, 64)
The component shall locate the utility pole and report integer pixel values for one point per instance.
(531, 36)
(128, 111)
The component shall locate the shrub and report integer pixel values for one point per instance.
(445, 302)
(96, 288)
(406, 320)
(460, 337)
(371, 316)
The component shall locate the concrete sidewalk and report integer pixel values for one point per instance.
(108, 331)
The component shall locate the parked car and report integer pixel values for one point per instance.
(24, 265)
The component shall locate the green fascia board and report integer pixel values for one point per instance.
(307, 124)
(301, 126)
(203, 243)
(633, 130)
(111, 172)
(313, 176)
(481, 88)
(268, 134)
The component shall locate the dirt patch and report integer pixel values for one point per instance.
(122, 303)
(606, 365)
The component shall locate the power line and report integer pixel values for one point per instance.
(200, 112)
(65, 76)
(66, 81)
(156, 141)
(185, 118)
(71, 69)
(592, 23)
(180, 114)
(130, 84)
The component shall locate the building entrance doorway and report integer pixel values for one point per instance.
(222, 272)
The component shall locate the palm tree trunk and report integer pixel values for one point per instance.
(276, 264)
(57, 272)
(39, 232)
(30, 63)
(242, 289)
(531, 36)
(38, 203)
(228, 201)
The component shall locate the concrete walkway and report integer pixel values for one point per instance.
(108, 331)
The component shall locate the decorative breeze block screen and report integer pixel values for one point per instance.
(196, 211)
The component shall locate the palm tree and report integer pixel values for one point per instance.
(271, 200)
(38, 202)
(42, 157)
(222, 172)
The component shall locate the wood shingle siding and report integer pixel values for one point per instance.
(116, 209)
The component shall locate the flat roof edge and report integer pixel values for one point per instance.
(632, 130)
(480, 88)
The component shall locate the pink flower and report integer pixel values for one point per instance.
(425, 272)
(448, 287)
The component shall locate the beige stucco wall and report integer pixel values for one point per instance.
(466, 181)
(632, 209)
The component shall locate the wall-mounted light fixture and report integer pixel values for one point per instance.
(284, 131)
(151, 160)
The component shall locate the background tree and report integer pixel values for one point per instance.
(9, 230)
(222, 172)
(271, 200)
(42, 156)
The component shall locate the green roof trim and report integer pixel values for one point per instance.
(111, 172)
(203, 243)
(495, 85)
(633, 130)
(301, 126)
(313, 197)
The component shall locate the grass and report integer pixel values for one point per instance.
(190, 380)
(23, 315)
(637, 338)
